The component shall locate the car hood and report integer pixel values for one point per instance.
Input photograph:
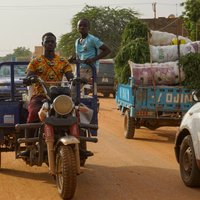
(192, 116)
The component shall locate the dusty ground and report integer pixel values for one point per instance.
(141, 169)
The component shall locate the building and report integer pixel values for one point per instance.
(38, 51)
(171, 24)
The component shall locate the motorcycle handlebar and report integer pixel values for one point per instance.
(34, 79)
(30, 80)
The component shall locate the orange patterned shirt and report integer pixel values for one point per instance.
(48, 70)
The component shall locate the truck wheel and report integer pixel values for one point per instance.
(114, 94)
(66, 172)
(83, 146)
(129, 125)
(138, 123)
(98, 105)
(106, 94)
(0, 159)
(190, 173)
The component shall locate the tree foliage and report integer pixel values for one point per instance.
(191, 68)
(22, 52)
(105, 22)
(8, 57)
(191, 17)
(66, 44)
(19, 54)
(134, 47)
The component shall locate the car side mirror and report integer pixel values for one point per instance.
(196, 95)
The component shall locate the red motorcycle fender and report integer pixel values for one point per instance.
(68, 140)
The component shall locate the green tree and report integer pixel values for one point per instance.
(19, 54)
(8, 57)
(191, 17)
(22, 54)
(106, 23)
(134, 47)
(191, 67)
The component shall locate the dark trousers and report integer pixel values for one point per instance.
(33, 108)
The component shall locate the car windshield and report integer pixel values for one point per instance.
(19, 71)
(107, 68)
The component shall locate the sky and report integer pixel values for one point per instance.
(23, 22)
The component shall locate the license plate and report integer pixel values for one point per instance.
(8, 119)
(105, 80)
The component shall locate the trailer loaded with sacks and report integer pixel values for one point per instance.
(154, 95)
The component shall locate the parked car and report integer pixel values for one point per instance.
(187, 144)
(6, 82)
(106, 77)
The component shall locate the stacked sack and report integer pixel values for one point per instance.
(156, 73)
(164, 69)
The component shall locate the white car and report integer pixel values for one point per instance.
(187, 145)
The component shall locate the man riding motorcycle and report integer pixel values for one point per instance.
(49, 67)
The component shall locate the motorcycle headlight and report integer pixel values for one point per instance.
(63, 104)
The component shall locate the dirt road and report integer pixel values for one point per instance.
(141, 169)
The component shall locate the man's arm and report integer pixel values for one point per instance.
(104, 52)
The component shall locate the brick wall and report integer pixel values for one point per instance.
(38, 51)
(171, 25)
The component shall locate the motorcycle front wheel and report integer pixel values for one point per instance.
(66, 172)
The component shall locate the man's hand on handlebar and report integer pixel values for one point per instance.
(30, 80)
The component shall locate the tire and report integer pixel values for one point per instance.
(151, 124)
(106, 94)
(138, 123)
(129, 125)
(83, 146)
(0, 159)
(66, 172)
(114, 94)
(98, 105)
(190, 173)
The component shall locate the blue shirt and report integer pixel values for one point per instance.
(87, 48)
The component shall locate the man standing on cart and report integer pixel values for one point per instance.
(88, 48)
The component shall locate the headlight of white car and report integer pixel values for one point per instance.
(63, 104)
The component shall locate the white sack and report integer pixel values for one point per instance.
(170, 52)
(159, 38)
(156, 73)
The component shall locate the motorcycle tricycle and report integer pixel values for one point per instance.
(67, 123)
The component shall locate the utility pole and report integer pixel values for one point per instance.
(154, 9)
